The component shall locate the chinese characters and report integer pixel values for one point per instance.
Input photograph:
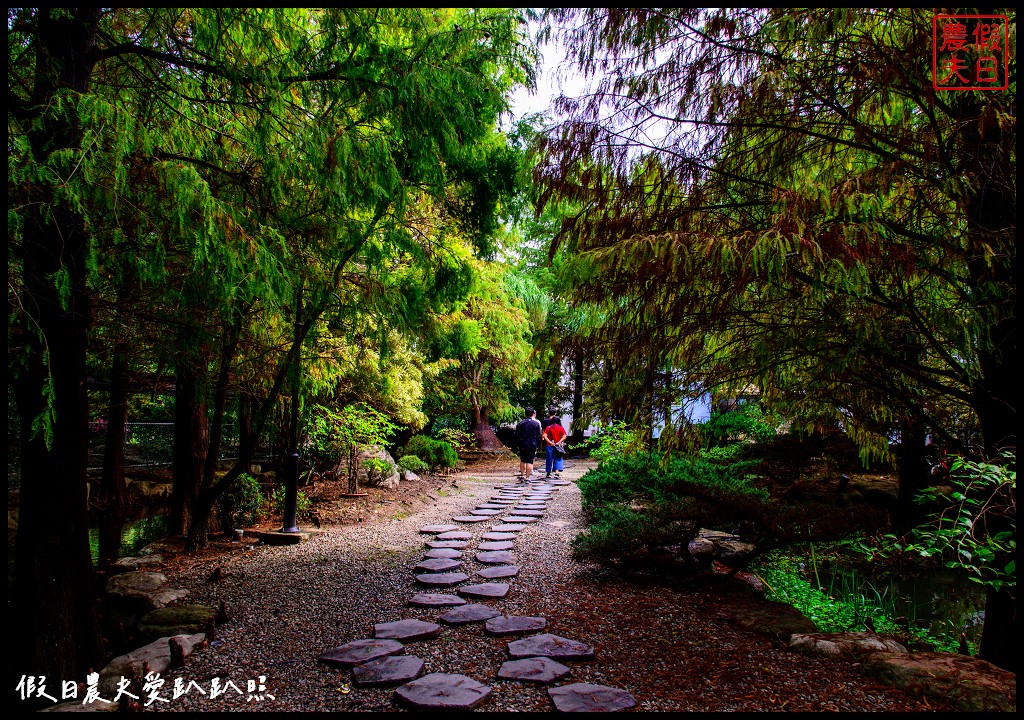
(969, 52)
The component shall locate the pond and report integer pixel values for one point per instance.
(934, 605)
(129, 534)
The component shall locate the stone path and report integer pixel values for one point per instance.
(453, 554)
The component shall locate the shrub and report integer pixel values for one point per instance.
(435, 453)
(457, 438)
(623, 531)
(613, 441)
(243, 503)
(412, 464)
(747, 422)
(377, 469)
(302, 502)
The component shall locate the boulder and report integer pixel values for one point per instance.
(965, 683)
(410, 476)
(391, 481)
(848, 644)
(181, 620)
(768, 617)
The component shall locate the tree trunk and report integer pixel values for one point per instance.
(113, 492)
(914, 474)
(481, 429)
(56, 628)
(190, 445)
(577, 399)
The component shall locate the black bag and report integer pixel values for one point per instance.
(559, 450)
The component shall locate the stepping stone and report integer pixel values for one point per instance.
(499, 571)
(497, 545)
(538, 670)
(514, 625)
(499, 536)
(471, 518)
(495, 557)
(585, 697)
(455, 535)
(560, 482)
(450, 544)
(486, 512)
(390, 670)
(503, 502)
(527, 512)
(434, 529)
(440, 691)
(491, 506)
(442, 579)
(360, 651)
(438, 565)
(506, 527)
(448, 553)
(552, 646)
(520, 519)
(485, 590)
(473, 612)
(434, 600)
(408, 630)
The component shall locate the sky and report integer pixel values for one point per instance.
(554, 77)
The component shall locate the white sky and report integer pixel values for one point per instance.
(555, 76)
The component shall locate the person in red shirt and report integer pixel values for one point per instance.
(554, 435)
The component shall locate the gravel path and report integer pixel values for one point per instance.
(671, 650)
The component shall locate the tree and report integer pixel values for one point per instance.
(254, 152)
(780, 197)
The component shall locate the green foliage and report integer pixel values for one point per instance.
(747, 422)
(844, 603)
(377, 469)
(618, 530)
(435, 453)
(976, 529)
(243, 504)
(336, 434)
(614, 440)
(456, 437)
(303, 505)
(413, 464)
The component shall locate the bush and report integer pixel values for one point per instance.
(435, 453)
(243, 503)
(302, 502)
(621, 531)
(377, 469)
(412, 464)
(747, 422)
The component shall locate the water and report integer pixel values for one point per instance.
(938, 602)
(131, 534)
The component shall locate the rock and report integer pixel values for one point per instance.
(775, 619)
(437, 565)
(494, 557)
(390, 482)
(485, 590)
(154, 657)
(536, 669)
(442, 579)
(439, 530)
(440, 691)
(446, 553)
(849, 644)
(390, 670)
(181, 620)
(499, 571)
(361, 651)
(451, 544)
(496, 545)
(410, 476)
(551, 646)
(137, 563)
(436, 600)
(585, 697)
(455, 535)
(967, 684)
(139, 583)
(514, 625)
(473, 612)
(408, 630)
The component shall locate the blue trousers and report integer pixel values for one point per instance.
(550, 460)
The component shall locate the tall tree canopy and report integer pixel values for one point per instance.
(250, 169)
(781, 197)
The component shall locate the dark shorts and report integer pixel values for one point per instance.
(527, 454)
